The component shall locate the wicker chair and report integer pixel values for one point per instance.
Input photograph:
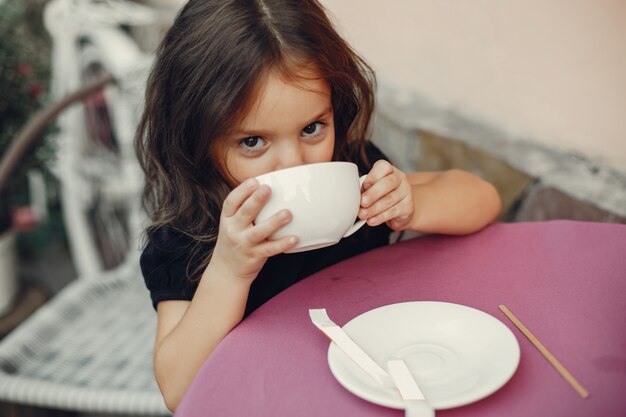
(89, 350)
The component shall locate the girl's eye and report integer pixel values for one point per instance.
(312, 130)
(252, 144)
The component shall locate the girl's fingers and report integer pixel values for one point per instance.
(401, 213)
(382, 204)
(380, 170)
(275, 247)
(265, 229)
(236, 197)
(399, 223)
(251, 207)
(379, 190)
(384, 216)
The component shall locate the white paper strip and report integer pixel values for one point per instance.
(403, 379)
(320, 318)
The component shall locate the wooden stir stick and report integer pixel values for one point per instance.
(582, 391)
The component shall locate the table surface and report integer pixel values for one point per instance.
(565, 280)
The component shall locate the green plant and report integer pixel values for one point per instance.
(24, 73)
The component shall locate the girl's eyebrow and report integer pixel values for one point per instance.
(262, 132)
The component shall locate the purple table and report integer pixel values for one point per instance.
(566, 281)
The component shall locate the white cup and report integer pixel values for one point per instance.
(323, 198)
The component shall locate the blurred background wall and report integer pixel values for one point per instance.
(554, 71)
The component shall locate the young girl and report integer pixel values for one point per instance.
(241, 88)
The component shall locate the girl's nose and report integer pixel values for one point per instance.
(290, 155)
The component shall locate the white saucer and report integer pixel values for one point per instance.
(456, 354)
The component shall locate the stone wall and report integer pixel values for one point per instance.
(535, 182)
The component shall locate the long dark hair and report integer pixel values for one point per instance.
(205, 73)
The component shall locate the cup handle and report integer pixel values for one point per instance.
(357, 225)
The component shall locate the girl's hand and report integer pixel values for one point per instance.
(242, 247)
(388, 197)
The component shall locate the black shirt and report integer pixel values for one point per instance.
(166, 260)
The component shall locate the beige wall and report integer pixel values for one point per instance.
(553, 70)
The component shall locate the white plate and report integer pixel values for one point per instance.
(456, 354)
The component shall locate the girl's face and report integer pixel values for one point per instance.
(289, 123)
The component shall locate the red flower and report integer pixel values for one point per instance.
(24, 219)
(36, 90)
(24, 70)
